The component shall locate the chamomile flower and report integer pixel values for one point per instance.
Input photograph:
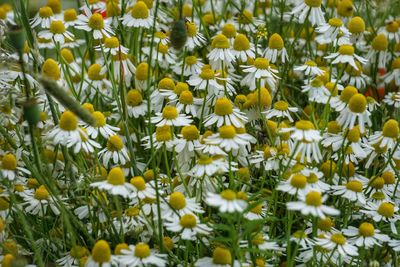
(188, 225)
(205, 80)
(312, 204)
(101, 127)
(101, 255)
(296, 184)
(37, 202)
(73, 257)
(391, 30)
(194, 37)
(141, 255)
(112, 45)
(177, 204)
(260, 71)
(394, 73)
(56, 32)
(382, 211)
(337, 241)
(330, 31)
(70, 17)
(378, 52)
(43, 18)
(225, 113)
(170, 116)
(226, 201)
(392, 99)
(242, 48)
(341, 101)
(365, 235)
(10, 169)
(209, 166)
(355, 77)
(281, 110)
(115, 152)
(189, 67)
(352, 190)
(136, 105)
(162, 136)
(276, 50)
(222, 257)
(138, 17)
(85, 144)
(310, 68)
(228, 139)
(311, 10)
(94, 23)
(67, 130)
(141, 189)
(388, 137)
(356, 111)
(346, 54)
(115, 184)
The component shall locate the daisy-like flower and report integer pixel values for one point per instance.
(138, 17)
(43, 18)
(281, 110)
(112, 46)
(355, 77)
(246, 21)
(170, 116)
(382, 211)
(73, 257)
(262, 242)
(276, 49)
(136, 106)
(257, 212)
(330, 31)
(39, 201)
(346, 54)
(97, 5)
(115, 184)
(337, 241)
(226, 201)
(314, 181)
(388, 137)
(187, 103)
(356, 111)
(352, 190)
(225, 114)
(177, 204)
(94, 23)
(70, 17)
(7, 14)
(312, 204)
(392, 99)
(228, 139)
(141, 189)
(194, 37)
(56, 32)
(115, 152)
(341, 101)
(394, 73)
(296, 184)
(261, 71)
(67, 130)
(101, 255)
(379, 51)
(205, 80)
(101, 127)
(242, 48)
(311, 10)
(391, 30)
(188, 142)
(220, 56)
(310, 68)
(162, 136)
(10, 169)
(141, 255)
(188, 225)
(123, 66)
(222, 257)
(85, 143)
(96, 81)
(189, 67)
(210, 166)
(365, 235)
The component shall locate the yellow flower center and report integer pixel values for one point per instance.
(227, 131)
(68, 121)
(141, 71)
(132, 211)
(261, 63)
(298, 181)
(241, 43)
(246, 17)
(356, 25)
(89, 107)
(94, 72)
(334, 127)
(45, 12)
(310, 63)
(101, 252)
(325, 224)
(228, 195)
(313, 3)
(229, 30)
(304, 125)
(335, 22)
(163, 49)
(347, 93)
(116, 176)
(257, 209)
(366, 229)
(170, 112)
(78, 252)
(378, 195)
(139, 183)
(380, 42)
(96, 22)
(67, 55)
(332, 88)
(338, 239)
(354, 135)
(190, 132)
(134, 98)
(51, 70)
(4, 203)
(377, 182)
(163, 133)
(346, 50)
(57, 27)
(386, 209)
(391, 129)
(191, 29)
(186, 98)
(392, 27)
(312, 178)
(190, 60)
(257, 240)
(3, 13)
(355, 186)
(358, 103)
(222, 256)
(41, 193)
(9, 162)
(207, 74)
(140, 11)
(220, 41)
(70, 15)
(396, 63)
(223, 107)
(389, 177)
(314, 198)
(188, 221)
(114, 143)
(99, 119)
(204, 160)
(166, 83)
(177, 200)
(111, 42)
(142, 250)
(345, 8)
(348, 170)
(275, 42)
(281, 105)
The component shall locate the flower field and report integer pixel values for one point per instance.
(205, 133)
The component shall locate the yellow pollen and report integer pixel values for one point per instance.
(380, 42)
(298, 181)
(142, 250)
(57, 27)
(191, 29)
(223, 107)
(338, 238)
(312, 178)
(378, 195)
(241, 43)
(229, 30)
(170, 112)
(41, 193)
(258, 240)
(366, 229)
(355, 186)
(275, 42)
(142, 71)
(177, 200)
(313, 3)
(101, 252)
(314, 198)
(356, 25)
(116, 176)
(346, 50)
(140, 11)
(227, 132)
(186, 98)
(332, 88)
(386, 209)
(3, 13)
(281, 105)
(70, 15)
(51, 70)
(96, 22)
(190, 60)
(68, 121)
(120, 247)
(188, 221)
(347, 93)
(304, 125)
(163, 133)
(114, 143)
(358, 103)
(9, 162)
(94, 72)
(167, 84)
(55, 5)
(45, 12)
(78, 252)
(222, 256)
(99, 119)
(335, 22)
(261, 63)
(391, 129)
(67, 55)
(228, 195)
(134, 98)
(190, 132)
(220, 41)
(139, 183)
(181, 87)
(111, 42)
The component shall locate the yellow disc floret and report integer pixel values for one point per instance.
(177, 200)
(358, 103)
(228, 194)
(386, 209)
(220, 41)
(275, 42)
(116, 176)
(241, 42)
(222, 256)
(140, 10)
(188, 221)
(391, 129)
(114, 143)
(355, 186)
(68, 121)
(223, 107)
(51, 70)
(57, 27)
(9, 162)
(190, 132)
(313, 3)
(139, 183)
(134, 98)
(101, 252)
(356, 25)
(142, 250)
(298, 181)
(314, 198)
(170, 113)
(346, 49)
(96, 22)
(380, 42)
(41, 193)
